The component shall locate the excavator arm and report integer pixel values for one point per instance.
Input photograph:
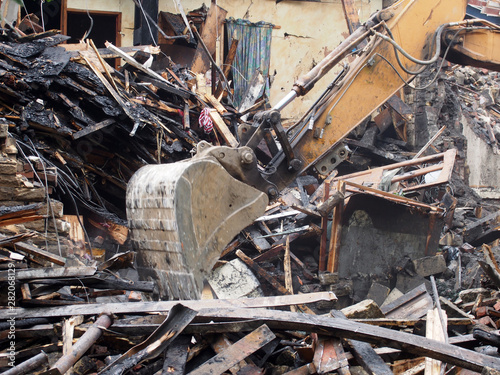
(182, 215)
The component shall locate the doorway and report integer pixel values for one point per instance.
(100, 26)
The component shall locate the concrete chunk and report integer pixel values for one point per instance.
(470, 295)
(366, 309)
(430, 265)
(234, 280)
(328, 278)
(378, 293)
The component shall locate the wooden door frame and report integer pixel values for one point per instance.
(64, 19)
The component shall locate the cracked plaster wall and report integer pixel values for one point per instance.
(307, 32)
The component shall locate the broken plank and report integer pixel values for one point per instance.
(146, 324)
(411, 305)
(254, 236)
(141, 67)
(45, 273)
(110, 89)
(215, 103)
(365, 354)
(271, 280)
(159, 104)
(176, 356)
(162, 306)
(303, 370)
(64, 363)
(288, 271)
(219, 344)
(236, 352)
(254, 91)
(384, 322)
(228, 62)
(325, 357)
(222, 128)
(74, 48)
(39, 253)
(414, 344)
(490, 265)
(434, 330)
(68, 330)
(93, 128)
(178, 318)
(213, 22)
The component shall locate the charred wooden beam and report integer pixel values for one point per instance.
(178, 318)
(64, 363)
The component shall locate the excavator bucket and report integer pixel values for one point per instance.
(181, 216)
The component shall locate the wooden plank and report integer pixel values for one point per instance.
(176, 356)
(411, 305)
(215, 103)
(214, 22)
(271, 280)
(237, 352)
(445, 159)
(49, 273)
(384, 322)
(414, 344)
(288, 271)
(76, 232)
(322, 266)
(334, 248)
(178, 318)
(162, 306)
(161, 82)
(351, 15)
(106, 53)
(104, 64)
(227, 64)
(157, 104)
(39, 253)
(303, 370)
(222, 128)
(68, 330)
(222, 343)
(110, 89)
(490, 266)
(325, 357)
(434, 330)
(256, 238)
(341, 357)
(365, 354)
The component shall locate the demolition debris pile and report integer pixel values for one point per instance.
(363, 259)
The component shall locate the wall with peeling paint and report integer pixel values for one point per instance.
(307, 32)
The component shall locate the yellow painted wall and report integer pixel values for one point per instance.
(307, 32)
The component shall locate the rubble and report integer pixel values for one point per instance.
(353, 256)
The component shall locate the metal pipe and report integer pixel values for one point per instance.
(83, 344)
(306, 82)
(31, 364)
(285, 101)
